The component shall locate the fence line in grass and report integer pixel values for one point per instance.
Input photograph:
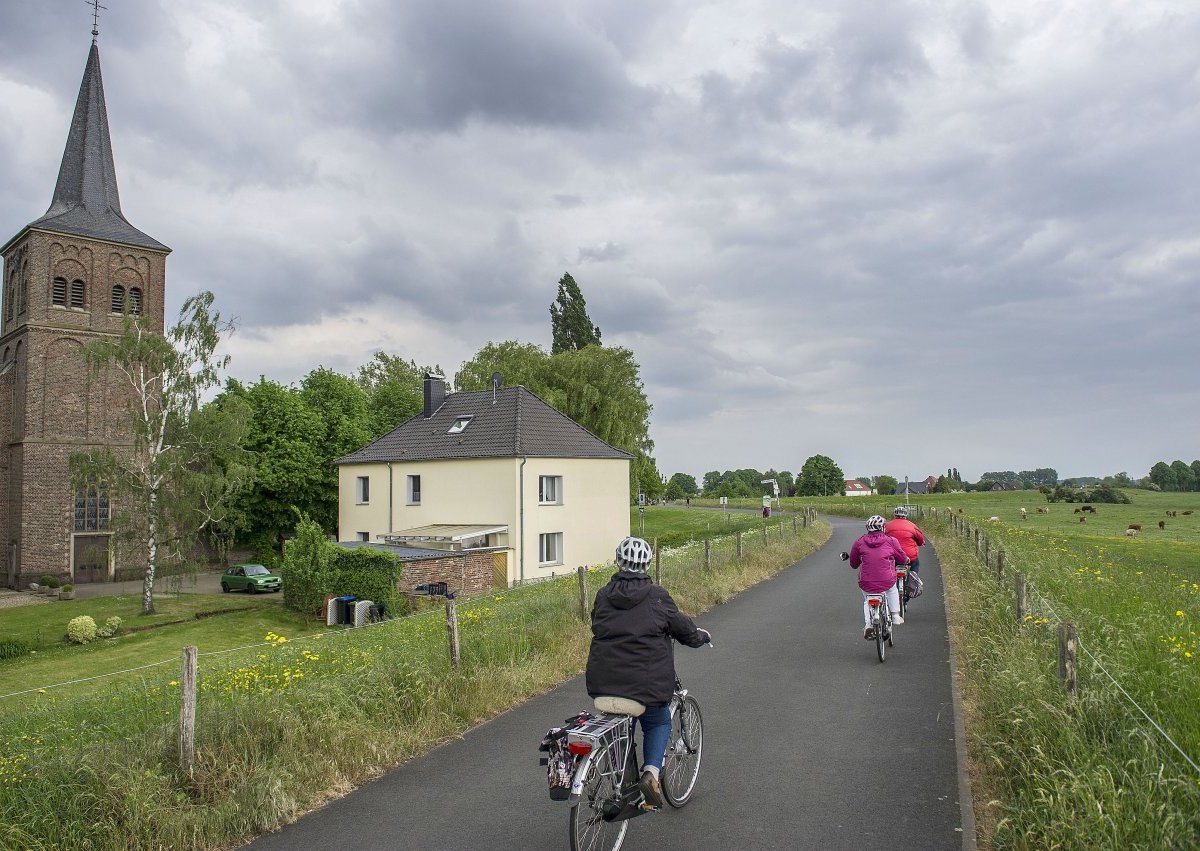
(1023, 588)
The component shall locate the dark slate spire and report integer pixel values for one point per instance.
(85, 199)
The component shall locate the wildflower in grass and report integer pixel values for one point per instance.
(173, 683)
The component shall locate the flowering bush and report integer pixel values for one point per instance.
(81, 630)
(110, 627)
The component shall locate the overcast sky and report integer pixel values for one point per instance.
(906, 235)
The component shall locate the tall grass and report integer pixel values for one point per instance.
(1049, 772)
(295, 721)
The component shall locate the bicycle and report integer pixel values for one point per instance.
(901, 583)
(881, 623)
(604, 787)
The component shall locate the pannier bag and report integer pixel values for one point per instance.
(913, 586)
(559, 761)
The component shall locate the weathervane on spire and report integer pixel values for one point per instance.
(96, 7)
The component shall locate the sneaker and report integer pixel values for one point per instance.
(897, 620)
(651, 790)
(869, 633)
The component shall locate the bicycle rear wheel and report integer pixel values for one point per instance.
(880, 627)
(902, 587)
(681, 766)
(601, 791)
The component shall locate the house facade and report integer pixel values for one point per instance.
(497, 471)
(70, 277)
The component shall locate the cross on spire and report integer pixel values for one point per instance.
(96, 7)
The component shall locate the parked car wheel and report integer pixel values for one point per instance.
(224, 588)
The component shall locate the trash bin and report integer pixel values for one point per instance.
(345, 609)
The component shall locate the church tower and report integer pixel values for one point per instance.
(70, 276)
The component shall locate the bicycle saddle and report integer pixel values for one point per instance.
(618, 705)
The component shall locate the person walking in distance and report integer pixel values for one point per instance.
(635, 625)
(875, 556)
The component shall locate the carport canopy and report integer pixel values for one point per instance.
(444, 533)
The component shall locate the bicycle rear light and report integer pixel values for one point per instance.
(580, 748)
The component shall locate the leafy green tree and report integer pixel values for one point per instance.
(340, 404)
(687, 484)
(675, 490)
(186, 463)
(1162, 475)
(787, 483)
(712, 480)
(1184, 479)
(1196, 474)
(394, 390)
(820, 476)
(283, 436)
(518, 363)
(570, 326)
(866, 480)
(886, 485)
(1119, 480)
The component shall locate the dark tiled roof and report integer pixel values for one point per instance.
(515, 425)
(86, 202)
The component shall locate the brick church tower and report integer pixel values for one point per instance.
(69, 277)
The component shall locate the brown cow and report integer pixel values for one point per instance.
(1082, 519)
(1137, 527)
(1162, 524)
(1186, 513)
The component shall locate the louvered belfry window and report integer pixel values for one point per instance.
(58, 292)
(135, 301)
(77, 293)
(118, 299)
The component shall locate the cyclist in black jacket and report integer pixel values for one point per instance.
(634, 626)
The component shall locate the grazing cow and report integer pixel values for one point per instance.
(1082, 519)
(1024, 513)
(1077, 510)
(1162, 524)
(1171, 513)
(1087, 508)
(993, 519)
(1186, 513)
(1137, 527)
(1131, 533)
(1043, 511)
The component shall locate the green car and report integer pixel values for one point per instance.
(250, 577)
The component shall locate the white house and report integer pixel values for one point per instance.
(494, 470)
(853, 487)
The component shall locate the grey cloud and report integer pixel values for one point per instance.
(605, 253)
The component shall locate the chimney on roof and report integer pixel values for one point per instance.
(435, 393)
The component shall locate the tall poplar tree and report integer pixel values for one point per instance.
(570, 326)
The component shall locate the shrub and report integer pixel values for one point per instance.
(110, 627)
(12, 648)
(81, 630)
(54, 582)
(68, 587)
(48, 581)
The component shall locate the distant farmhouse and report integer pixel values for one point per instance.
(497, 482)
(925, 486)
(853, 487)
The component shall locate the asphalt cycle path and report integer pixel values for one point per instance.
(809, 741)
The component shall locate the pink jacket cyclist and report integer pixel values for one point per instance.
(876, 555)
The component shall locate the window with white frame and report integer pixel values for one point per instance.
(362, 489)
(550, 490)
(550, 548)
(363, 536)
(460, 424)
(414, 490)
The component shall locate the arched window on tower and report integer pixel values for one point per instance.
(77, 293)
(118, 299)
(135, 301)
(23, 305)
(58, 292)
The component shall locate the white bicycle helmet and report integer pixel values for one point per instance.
(901, 511)
(875, 523)
(634, 554)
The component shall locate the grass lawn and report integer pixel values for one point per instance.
(674, 526)
(211, 622)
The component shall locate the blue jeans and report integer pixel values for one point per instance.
(656, 731)
(915, 565)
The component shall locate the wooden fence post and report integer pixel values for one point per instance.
(976, 540)
(657, 564)
(795, 525)
(187, 711)
(1068, 660)
(987, 551)
(1022, 596)
(581, 571)
(452, 629)
(737, 544)
(764, 534)
(707, 553)
(1000, 565)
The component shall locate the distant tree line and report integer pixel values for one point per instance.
(1176, 476)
